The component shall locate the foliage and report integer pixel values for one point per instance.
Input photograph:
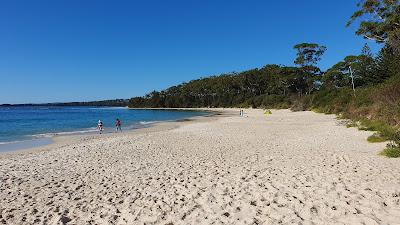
(391, 152)
(308, 54)
(384, 130)
(387, 65)
(366, 69)
(380, 21)
(268, 86)
(375, 138)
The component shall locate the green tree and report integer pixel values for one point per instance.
(339, 74)
(362, 67)
(387, 65)
(367, 66)
(380, 21)
(308, 55)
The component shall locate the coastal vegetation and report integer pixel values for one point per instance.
(364, 88)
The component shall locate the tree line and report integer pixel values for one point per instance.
(277, 86)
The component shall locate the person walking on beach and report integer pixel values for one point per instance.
(118, 125)
(100, 126)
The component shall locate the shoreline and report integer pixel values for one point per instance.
(53, 138)
(55, 141)
(25, 144)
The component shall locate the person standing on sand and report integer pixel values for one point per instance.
(100, 126)
(118, 125)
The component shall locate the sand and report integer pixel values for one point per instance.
(284, 168)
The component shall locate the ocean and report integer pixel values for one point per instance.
(26, 123)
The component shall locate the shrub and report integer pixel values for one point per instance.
(275, 101)
(330, 100)
(393, 148)
(396, 138)
(301, 103)
(391, 152)
(375, 138)
(268, 101)
(375, 125)
(387, 99)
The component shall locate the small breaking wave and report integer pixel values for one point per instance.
(49, 135)
(10, 142)
(147, 122)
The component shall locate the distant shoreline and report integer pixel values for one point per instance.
(101, 103)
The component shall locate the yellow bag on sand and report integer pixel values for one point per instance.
(267, 112)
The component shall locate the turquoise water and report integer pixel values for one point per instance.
(31, 122)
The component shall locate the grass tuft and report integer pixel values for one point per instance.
(385, 131)
(376, 138)
(351, 124)
(391, 152)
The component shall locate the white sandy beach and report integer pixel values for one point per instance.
(284, 168)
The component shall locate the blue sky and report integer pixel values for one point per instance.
(74, 50)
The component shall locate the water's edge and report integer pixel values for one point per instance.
(24, 145)
(47, 139)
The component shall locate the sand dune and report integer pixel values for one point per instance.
(285, 168)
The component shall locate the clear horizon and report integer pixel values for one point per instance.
(69, 51)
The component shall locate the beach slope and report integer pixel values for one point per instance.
(283, 168)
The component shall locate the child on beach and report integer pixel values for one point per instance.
(118, 125)
(100, 126)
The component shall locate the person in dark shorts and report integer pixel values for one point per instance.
(118, 125)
